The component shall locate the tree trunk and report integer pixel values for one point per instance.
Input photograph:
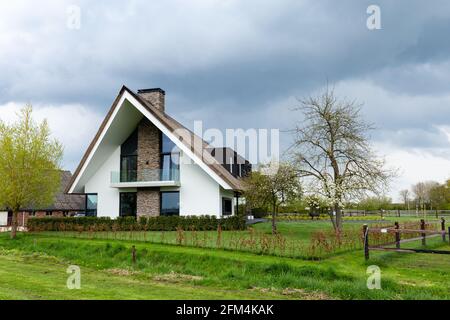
(337, 209)
(333, 220)
(14, 224)
(274, 224)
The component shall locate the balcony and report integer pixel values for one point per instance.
(145, 178)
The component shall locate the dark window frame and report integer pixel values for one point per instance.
(90, 212)
(129, 174)
(120, 204)
(171, 154)
(224, 199)
(161, 199)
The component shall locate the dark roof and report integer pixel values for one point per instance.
(190, 141)
(63, 201)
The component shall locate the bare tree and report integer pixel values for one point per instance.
(332, 149)
(404, 194)
(419, 191)
(423, 192)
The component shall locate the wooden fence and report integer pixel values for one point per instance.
(407, 229)
(435, 213)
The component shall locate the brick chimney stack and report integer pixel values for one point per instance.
(155, 96)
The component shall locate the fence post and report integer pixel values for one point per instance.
(397, 235)
(366, 241)
(443, 228)
(422, 227)
(436, 214)
(398, 212)
(133, 254)
(449, 235)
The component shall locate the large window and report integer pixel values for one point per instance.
(170, 203)
(128, 158)
(127, 204)
(91, 205)
(227, 207)
(170, 159)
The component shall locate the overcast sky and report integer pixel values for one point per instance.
(236, 64)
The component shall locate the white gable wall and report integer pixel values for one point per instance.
(100, 183)
(199, 193)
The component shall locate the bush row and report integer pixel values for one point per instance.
(161, 223)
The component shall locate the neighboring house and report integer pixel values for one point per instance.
(63, 205)
(142, 162)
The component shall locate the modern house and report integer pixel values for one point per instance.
(62, 206)
(142, 162)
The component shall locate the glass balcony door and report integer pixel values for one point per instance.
(128, 169)
(170, 167)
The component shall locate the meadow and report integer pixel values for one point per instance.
(34, 266)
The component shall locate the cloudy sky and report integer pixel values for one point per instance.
(236, 64)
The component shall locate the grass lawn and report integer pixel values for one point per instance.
(294, 240)
(34, 267)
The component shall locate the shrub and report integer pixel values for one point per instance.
(160, 223)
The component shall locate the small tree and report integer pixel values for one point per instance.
(266, 188)
(29, 165)
(332, 151)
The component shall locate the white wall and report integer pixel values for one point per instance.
(108, 198)
(199, 193)
(3, 218)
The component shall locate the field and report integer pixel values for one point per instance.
(34, 267)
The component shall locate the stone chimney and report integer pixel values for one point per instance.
(156, 97)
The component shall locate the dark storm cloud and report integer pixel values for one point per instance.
(238, 56)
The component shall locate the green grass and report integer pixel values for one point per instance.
(34, 265)
(294, 240)
(42, 277)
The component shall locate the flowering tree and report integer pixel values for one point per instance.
(331, 149)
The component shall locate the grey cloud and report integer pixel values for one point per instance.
(236, 63)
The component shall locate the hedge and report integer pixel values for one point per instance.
(160, 223)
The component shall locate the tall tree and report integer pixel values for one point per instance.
(420, 192)
(423, 191)
(438, 196)
(404, 194)
(429, 186)
(331, 148)
(273, 188)
(29, 165)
